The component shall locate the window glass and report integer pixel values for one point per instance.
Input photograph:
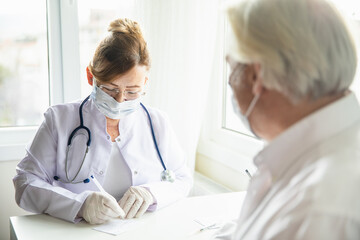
(352, 10)
(94, 19)
(232, 122)
(24, 87)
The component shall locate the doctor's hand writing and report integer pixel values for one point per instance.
(136, 201)
(99, 207)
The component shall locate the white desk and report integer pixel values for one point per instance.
(173, 222)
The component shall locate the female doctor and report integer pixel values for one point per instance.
(107, 156)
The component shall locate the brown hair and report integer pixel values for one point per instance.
(124, 48)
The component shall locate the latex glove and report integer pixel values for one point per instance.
(99, 207)
(136, 201)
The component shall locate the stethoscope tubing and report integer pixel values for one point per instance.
(153, 136)
(82, 126)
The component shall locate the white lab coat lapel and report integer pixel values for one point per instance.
(136, 145)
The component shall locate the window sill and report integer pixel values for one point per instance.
(13, 141)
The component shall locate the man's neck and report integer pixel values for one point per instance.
(282, 114)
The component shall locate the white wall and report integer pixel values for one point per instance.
(215, 170)
(8, 206)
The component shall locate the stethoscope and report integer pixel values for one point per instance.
(166, 175)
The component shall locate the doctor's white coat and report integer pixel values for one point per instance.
(36, 189)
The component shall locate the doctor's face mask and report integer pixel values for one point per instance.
(111, 108)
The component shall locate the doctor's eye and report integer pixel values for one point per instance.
(110, 91)
(131, 95)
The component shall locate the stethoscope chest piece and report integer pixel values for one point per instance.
(168, 175)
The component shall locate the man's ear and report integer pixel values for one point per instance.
(89, 76)
(258, 86)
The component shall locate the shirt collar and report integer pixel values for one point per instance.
(280, 153)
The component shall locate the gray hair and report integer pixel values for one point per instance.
(305, 47)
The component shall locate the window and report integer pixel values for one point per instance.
(231, 122)
(37, 67)
(24, 85)
(224, 138)
(45, 47)
(352, 10)
(94, 19)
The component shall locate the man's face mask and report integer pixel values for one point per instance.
(235, 77)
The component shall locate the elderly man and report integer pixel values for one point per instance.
(292, 64)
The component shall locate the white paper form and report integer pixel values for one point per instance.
(118, 226)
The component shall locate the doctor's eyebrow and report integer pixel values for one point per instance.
(134, 86)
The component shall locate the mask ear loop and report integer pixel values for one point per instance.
(252, 105)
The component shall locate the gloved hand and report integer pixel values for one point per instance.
(100, 207)
(136, 201)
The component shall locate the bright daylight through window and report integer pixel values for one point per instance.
(94, 18)
(230, 120)
(24, 87)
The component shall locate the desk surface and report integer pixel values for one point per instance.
(173, 222)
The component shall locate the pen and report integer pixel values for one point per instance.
(98, 184)
(212, 226)
(248, 173)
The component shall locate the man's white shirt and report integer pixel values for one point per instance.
(307, 183)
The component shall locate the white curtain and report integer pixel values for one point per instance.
(181, 37)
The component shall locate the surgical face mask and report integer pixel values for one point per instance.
(244, 117)
(110, 107)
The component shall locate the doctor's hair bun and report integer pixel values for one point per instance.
(126, 26)
(124, 48)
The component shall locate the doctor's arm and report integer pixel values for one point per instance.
(34, 191)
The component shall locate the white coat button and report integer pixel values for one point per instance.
(118, 139)
(135, 172)
(101, 172)
(108, 137)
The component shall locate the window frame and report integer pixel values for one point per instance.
(63, 72)
(228, 147)
(225, 146)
